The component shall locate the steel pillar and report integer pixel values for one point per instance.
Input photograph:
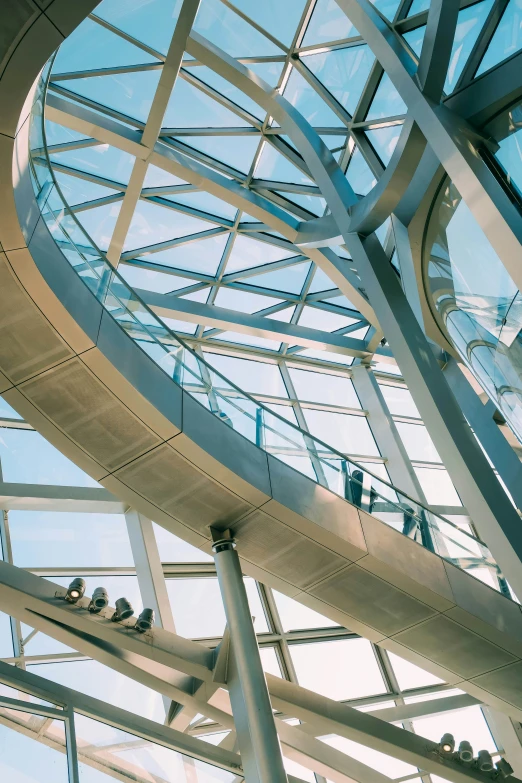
(258, 741)
(480, 418)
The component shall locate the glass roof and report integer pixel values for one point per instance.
(177, 240)
(312, 54)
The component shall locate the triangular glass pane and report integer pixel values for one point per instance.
(270, 72)
(384, 141)
(418, 6)
(243, 301)
(470, 23)
(230, 32)
(202, 256)
(79, 191)
(386, 102)
(189, 107)
(284, 315)
(159, 178)
(130, 94)
(206, 202)
(343, 72)
(415, 38)
(197, 296)
(507, 38)
(99, 223)
(235, 151)
(57, 134)
(148, 280)
(342, 301)
(135, 16)
(248, 253)
(220, 84)
(103, 160)
(152, 224)
(321, 282)
(359, 174)
(273, 165)
(328, 23)
(277, 18)
(305, 99)
(289, 280)
(388, 8)
(313, 204)
(93, 46)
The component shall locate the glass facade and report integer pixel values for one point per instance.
(251, 195)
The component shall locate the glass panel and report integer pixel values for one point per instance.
(410, 676)
(438, 487)
(418, 443)
(328, 389)
(343, 72)
(399, 401)
(24, 759)
(348, 434)
(468, 724)
(507, 38)
(328, 668)
(328, 23)
(270, 661)
(48, 538)
(230, 32)
(470, 23)
(6, 639)
(102, 683)
(28, 458)
(391, 767)
(174, 550)
(127, 756)
(384, 141)
(198, 609)
(296, 616)
(387, 102)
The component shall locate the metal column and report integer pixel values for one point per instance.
(258, 741)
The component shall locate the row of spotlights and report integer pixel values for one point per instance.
(483, 762)
(100, 600)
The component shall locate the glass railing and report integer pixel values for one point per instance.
(237, 409)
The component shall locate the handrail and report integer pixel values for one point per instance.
(266, 428)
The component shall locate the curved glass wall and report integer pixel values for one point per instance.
(475, 298)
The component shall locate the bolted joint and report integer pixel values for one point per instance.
(222, 540)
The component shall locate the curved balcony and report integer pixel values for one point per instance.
(235, 408)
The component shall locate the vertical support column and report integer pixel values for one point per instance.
(257, 735)
(480, 418)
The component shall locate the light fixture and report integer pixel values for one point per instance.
(75, 590)
(465, 751)
(447, 744)
(145, 621)
(504, 768)
(123, 610)
(99, 600)
(484, 761)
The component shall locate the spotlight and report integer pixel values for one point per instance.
(145, 621)
(484, 761)
(465, 751)
(504, 768)
(75, 590)
(99, 600)
(447, 744)
(123, 610)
